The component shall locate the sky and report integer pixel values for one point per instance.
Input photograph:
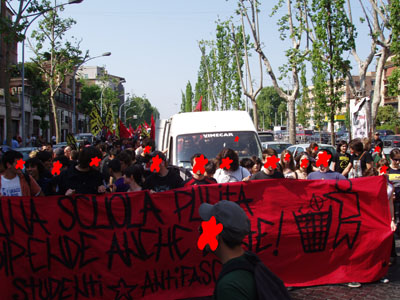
(154, 43)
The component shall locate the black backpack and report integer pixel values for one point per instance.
(269, 286)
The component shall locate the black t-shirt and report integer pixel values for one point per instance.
(366, 158)
(193, 181)
(159, 183)
(394, 178)
(81, 182)
(262, 175)
(341, 162)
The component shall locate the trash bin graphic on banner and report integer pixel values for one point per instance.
(359, 118)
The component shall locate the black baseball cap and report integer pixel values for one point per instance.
(236, 224)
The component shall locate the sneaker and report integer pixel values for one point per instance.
(384, 280)
(354, 284)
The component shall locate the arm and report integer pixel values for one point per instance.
(392, 223)
(333, 166)
(347, 170)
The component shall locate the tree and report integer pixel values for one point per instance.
(291, 25)
(331, 41)
(12, 33)
(303, 104)
(269, 107)
(388, 118)
(61, 57)
(90, 94)
(189, 97)
(142, 109)
(394, 79)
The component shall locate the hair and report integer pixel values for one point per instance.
(131, 154)
(379, 144)
(366, 143)
(328, 152)
(86, 155)
(270, 152)
(227, 152)
(394, 152)
(256, 160)
(136, 171)
(63, 160)
(381, 163)
(370, 172)
(356, 145)
(149, 142)
(114, 152)
(35, 162)
(44, 155)
(125, 157)
(311, 148)
(211, 167)
(231, 244)
(340, 144)
(194, 157)
(102, 147)
(298, 162)
(160, 155)
(114, 165)
(291, 160)
(247, 163)
(10, 156)
(74, 154)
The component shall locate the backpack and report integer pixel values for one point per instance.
(268, 285)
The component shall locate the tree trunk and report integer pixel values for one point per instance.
(292, 120)
(378, 84)
(7, 95)
(255, 111)
(55, 117)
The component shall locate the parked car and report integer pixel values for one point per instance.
(385, 132)
(82, 137)
(299, 148)
(391, 141)
(278, 146)
(265, 136)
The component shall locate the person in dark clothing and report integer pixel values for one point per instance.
(115, 171)
(162, 179)
(46, 158)
(134, 178)
(270, 172)
(360, 160)
(82, 178)
(35, 168)
(342, 158)
(198, 174)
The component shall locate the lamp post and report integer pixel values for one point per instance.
(76, 68)
(120, 107)
(36, 15)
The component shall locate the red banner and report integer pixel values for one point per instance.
(142, 246)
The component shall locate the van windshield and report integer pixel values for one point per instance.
(210, 144)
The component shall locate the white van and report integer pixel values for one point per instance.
(206, 132)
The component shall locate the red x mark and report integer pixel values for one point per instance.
(200, 162)
(95, 161)
(287, 157)
(383, 170)
(147, 150)
(155, 166)
(323, 159)
(56, 168)
(271, 162)
(304, 163)
(377, 149)
(20, 164)
(209, 236)
(226, 163)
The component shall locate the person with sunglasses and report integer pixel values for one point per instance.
(394, 178)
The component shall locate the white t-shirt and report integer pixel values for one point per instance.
(222, 175)
(11, 187)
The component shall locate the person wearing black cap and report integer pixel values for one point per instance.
(241, 270)
(164, 178)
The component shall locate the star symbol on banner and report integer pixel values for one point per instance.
(20, 164)
(377, 149)
(271, 162)
(304, 163)
(155, 166)
(209, 236)
(123, 290)
(147, 150)
(226, 163)
(287, 157)
(56, 168)
(383, 170)
(95, 161)
(200, 162)
(323, 159)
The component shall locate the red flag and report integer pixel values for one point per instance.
(123, 132)
(108, 134)
(153, 128)
(131, 131)
(198, 106)
(146, 125)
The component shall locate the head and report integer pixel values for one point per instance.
(356, 146)
(59, 152)
(114, 167)
(257, 164)
(63, 160)
(247, 163)
(134, 175)
(74, 155)
(67, 151)
(377, 136)
(125, 158)
(193, 159)
(210, 168)
(47, 147)
(46, 158)
(10, 160)
(86, 155)
(149, 142)
(103, 148)
(312, 150)
(35, 168)
(266, 154)
(366, 143)
(321, 155)
(380, 164)
(342, 147)
(303, 162)
(287, 164)
(236, 225)
(395, 158)
(163, 164)
(232, 155)
(370, 172)
(380, 145)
